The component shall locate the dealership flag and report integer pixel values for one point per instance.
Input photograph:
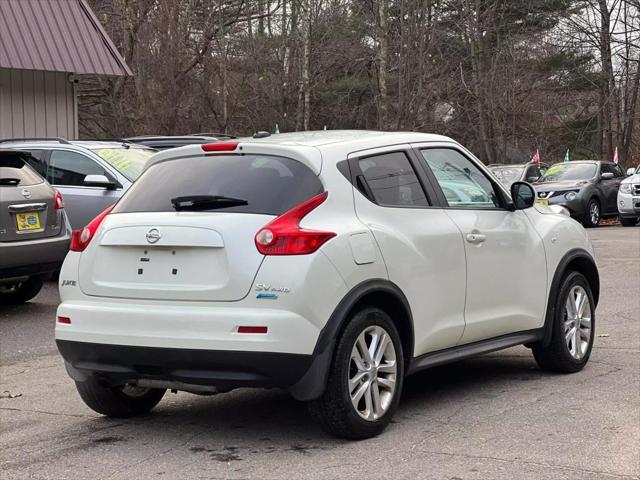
(536, 157)
(615, 156)
(566, 156)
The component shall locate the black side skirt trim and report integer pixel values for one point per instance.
(460, 352)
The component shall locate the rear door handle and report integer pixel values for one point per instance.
(476, 237)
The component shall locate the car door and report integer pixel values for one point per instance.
(421, 246)
(609, 187)
(506, 265)
(66, 171)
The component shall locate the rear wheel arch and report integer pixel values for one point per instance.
(379, 293)
(576, 260)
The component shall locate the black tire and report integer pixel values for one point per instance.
(115, 402)
(22, 292)
(333, 410)
(628, 222)
(588, 221)
(556, 356)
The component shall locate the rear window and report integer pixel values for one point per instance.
(14, 172)
(269, 185)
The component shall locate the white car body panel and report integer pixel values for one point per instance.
(629, 203)
(506, 273)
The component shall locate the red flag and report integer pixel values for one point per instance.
(615, 156)
(536, 157)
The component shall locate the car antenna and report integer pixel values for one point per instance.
(261, 134)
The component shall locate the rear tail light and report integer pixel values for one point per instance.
(283, 236)
(65, 320)
(80, 238)
(58, 200)
(220, 146)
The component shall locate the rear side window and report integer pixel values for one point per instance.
(392, 180)
(15, 172)
(36, 161)
(269, 185)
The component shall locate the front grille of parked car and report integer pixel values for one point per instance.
(636, 189)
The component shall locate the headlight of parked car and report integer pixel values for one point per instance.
(570, 195)
(625, 188)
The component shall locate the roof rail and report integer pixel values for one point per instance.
(36, 139)
(119, 140)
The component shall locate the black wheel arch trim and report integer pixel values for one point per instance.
(313, 383)
(576, 255)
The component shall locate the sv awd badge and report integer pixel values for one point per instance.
(268, 291)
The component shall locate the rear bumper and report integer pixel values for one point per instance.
(117, 364)
(33, 257)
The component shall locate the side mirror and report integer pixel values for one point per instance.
(606, 176)
(523, 195)
(630, 171)
(98, 181)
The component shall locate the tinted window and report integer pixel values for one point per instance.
(608, 168)
(70, 168)
(619, 172)
(15, 172)
(534, 171)
(392, 180)
(462, 182)
(36, 161)
(128, 161)
(270, 185)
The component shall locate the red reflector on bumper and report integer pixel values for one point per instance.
(252, 329)
(66, 320)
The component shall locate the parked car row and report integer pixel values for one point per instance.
(590, 190)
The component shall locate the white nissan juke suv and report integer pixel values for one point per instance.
(332, 264)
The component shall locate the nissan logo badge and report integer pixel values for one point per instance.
(153, 235)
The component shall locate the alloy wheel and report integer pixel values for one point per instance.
(577, 322)
(594, 212)
(372, 373)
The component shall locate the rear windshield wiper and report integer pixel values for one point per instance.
(9, 181)
(205, 202)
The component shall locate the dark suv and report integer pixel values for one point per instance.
(34, 230)
(588, 189)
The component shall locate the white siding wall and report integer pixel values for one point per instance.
(37, 104)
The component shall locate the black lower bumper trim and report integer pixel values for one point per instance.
(28, 270)
(224, 369)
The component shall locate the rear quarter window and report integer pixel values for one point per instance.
(270, 185)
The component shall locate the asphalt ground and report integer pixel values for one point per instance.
(492, 417)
